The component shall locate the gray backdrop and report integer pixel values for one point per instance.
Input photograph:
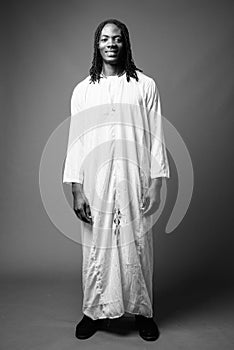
(187, 47)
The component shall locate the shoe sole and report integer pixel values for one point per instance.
(149, 338)
(83, 337)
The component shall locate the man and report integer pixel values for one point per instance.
(116, 166)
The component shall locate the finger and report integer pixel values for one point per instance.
(146, 203)
(88, 212)
(83, 216)
(78, 214)
(85, 210)
(77, 211)
(147, 210)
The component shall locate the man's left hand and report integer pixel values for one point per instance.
(152, 197)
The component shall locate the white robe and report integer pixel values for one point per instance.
(117, 128)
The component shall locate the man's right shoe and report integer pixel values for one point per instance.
(86, 328)
(148, 329)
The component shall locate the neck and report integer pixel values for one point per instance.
(110, 69)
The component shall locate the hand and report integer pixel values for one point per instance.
(81, 207)
(152, 198)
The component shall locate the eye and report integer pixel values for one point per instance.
(118, 40)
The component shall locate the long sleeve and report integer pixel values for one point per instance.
(73, 171)
(158, 154)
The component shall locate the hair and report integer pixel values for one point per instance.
(126, 62)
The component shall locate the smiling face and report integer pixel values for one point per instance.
(111, 44)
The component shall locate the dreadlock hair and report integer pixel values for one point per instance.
(127, 62)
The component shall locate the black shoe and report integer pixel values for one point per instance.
(147, 328)
(86, 327)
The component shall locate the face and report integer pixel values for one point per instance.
(111, 44)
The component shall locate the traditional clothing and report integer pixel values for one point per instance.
(116, 145)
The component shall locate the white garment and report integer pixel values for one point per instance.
(118, 150)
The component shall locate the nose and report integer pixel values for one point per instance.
(111, 43)
(111, 46)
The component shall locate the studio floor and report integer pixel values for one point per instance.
(41, 314)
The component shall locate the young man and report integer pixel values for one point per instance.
(116, 170)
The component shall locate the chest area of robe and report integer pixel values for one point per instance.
(113, 90)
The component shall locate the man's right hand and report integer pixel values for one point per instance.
(81, 204)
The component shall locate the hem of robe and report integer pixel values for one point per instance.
(116, 309)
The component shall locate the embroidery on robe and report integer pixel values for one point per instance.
(117, 217)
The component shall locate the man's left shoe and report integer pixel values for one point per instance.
(86, 327)
(148, 330)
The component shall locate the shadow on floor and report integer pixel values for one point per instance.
(123, 325)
